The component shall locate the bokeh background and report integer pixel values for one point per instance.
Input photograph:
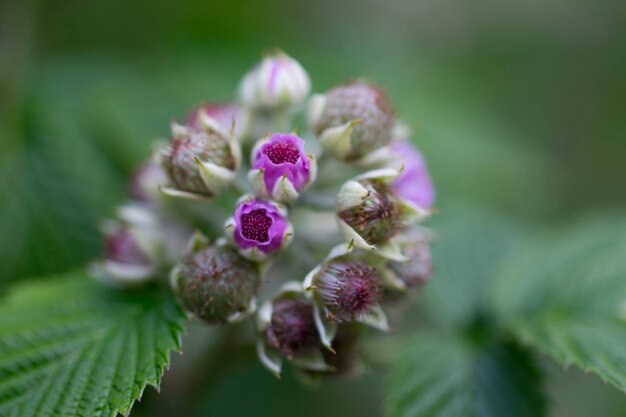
(519, 106)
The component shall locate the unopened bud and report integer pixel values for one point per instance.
(344, 289)
(370, 213)
(286, 326)
(132, 247)
(215, 283)
(220, 117)
(277, 83)
(199, 163)
(352, 120)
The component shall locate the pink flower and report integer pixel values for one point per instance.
(259, 228)
(280, 167)
(414, 182)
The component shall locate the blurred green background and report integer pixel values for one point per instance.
(519, 106)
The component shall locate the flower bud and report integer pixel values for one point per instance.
(219, 117)
(259, 228)
(277, 83)
(199, 163)
(414, 182)
(345, 288)
(145, 182)
(414, 272)
(215, 283)
(399, 277)
(352, 120)
(286, 327)
(280, 167)
(370, 213)
(132, 248)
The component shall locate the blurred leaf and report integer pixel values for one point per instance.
(54, 188)
(70, 346)
(470, 241)
(564, 293)
(447, 375)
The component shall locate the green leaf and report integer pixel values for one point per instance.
(449, 375)
(470, 241)
(55, 187)
(564, 293)
(70, 346)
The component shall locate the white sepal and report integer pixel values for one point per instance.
(411, 212)
(337, 140)
(215, 177)
(391, 250)
(238, 316)
(390, 280)
(351, 194)
(378, 157)
(284, 191)
(264, 316)
(287, 237)
(375, 318)
(173, 192)
(255, 177)
(269, 357)
(381, 174)
(326, 328)
(312, 170)
(352, 237)
(307, 284)
(315, 109)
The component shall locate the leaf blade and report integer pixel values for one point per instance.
(79, 354)
(446, 375)
(564, 294)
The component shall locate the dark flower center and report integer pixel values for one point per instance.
(122, 247)
(255, 225)
(281, 152)
(292, 327)
(356, 288)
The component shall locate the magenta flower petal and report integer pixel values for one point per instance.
(259, 224)
(414, 183)
(283, 155)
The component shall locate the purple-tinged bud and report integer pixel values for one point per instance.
(199, 163)
(370, 213)
(215, 283)
(280, 167)
(145, 182)
(277, 83)
(352, 120)
(414, 182)
(286, 327)
(120, 245)
(132, 248)
(348, 289)
(345, 289)
(259, 228)
(418, 266)
(292, 327)
(220, 117)
(418, 269)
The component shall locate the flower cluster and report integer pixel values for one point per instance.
(244, 166)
